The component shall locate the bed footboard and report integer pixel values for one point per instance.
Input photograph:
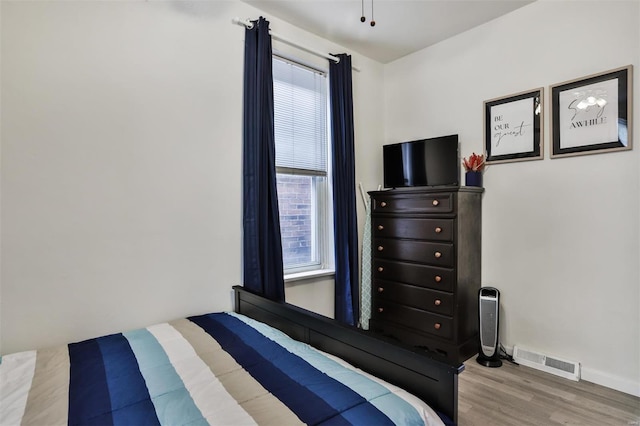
(435, 381)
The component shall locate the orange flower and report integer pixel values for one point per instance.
(475, 163)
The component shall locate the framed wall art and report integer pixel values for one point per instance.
(592, 114)
(513, 127)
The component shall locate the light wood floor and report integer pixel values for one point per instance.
(519, 395)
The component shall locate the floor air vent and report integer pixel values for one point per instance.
(559, 367)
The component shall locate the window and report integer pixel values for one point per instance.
(301, 136)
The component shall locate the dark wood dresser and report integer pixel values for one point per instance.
(426, 276)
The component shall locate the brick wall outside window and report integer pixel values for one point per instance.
(294, 201)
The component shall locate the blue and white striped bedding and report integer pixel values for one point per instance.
(221, 368)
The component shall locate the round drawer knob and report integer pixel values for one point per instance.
(437, 302)
(437, 326)
(380, 248)
(437, 278)
(380, 289)
(380, 269)
(437, 254)
(438, 230)
(380, 227)
(435, 202)
(383, 204)
(380, 310)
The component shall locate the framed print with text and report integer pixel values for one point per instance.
(592, 114)
(513, 127)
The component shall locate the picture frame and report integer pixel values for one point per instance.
(513, 127)
(592, 114)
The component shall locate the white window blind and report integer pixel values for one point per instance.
(300, 111)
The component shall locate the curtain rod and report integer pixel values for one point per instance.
(278, 37)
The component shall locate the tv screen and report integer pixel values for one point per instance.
(424, 162)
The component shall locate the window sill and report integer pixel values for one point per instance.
(308, 275)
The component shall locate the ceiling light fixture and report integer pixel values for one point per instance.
(373, 21)
(363, 18)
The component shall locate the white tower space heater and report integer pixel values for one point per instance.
(489, 345)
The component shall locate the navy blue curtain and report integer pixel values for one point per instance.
(262, 247)
(344, 191)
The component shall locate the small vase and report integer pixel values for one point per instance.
(472, 178)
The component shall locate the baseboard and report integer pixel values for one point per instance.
(621, 384)
(613, 382)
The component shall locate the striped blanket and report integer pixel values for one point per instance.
(221, 368)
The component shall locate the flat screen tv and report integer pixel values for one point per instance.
(424, 162)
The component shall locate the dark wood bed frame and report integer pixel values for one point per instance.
(434, 381)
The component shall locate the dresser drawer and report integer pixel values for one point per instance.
(407, 203)
(412, 273)
(437, 254)
(427, 322)
(418, 229)
(438, 302)
(421, 341)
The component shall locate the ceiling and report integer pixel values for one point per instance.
(402, 26)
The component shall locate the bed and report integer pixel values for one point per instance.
(256, 365)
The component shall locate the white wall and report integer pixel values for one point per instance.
(561, 236)
(121, 162)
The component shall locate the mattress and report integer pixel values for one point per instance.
(220, 368)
